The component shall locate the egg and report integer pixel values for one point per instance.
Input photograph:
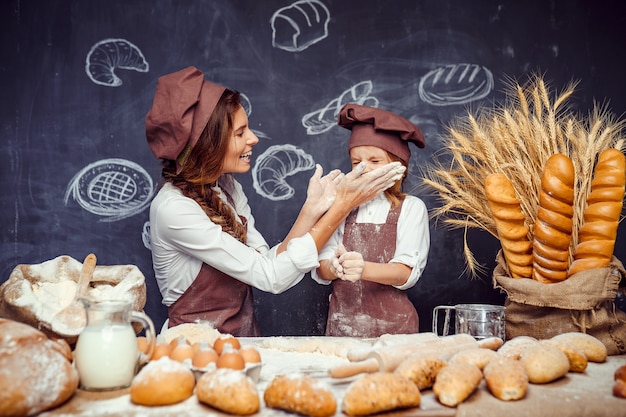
(142, 344)
(232, 359)
(176, 341)
(250, 354)
(182, 351)
(230, 340)
(161, 349)
(203, 356)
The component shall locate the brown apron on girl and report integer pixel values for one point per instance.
(364, 308)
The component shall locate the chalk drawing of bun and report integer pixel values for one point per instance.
(112, 188)
(272, 168)
(108, 55)
(322, 120)
(300, 25)
(455, 84)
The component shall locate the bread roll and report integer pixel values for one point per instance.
(456, 382)
(593, 349)
(577, 360)
(596, 237)
(553, 224)
(298, 393)
(228, 390)
(378, 392)
(620, 373)
(162, 382)
(506, 379)
(544, 363)
(619, 388)
(421, 369)
(478, 357)
(513, 348)
(35, 373)
(509, 219)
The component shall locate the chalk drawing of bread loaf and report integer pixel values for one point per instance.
(272, 168)
(455, 84)
(324, 119)
(108, 55)
(300, 25)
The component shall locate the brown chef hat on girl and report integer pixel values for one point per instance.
(376, 127)
(182, 105)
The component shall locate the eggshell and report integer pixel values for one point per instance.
(160, 350)
(219, 344)
(250, 354)
(182, 352)
(232, 359)
(142, 344)
(204, 356)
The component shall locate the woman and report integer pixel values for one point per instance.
(381, 249)
(206, 250)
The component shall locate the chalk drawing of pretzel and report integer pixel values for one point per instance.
(272, 168)
(108, 55)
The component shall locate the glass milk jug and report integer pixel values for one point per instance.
(106, 354)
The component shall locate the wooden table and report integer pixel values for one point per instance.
(579, 395)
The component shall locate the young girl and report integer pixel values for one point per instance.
(382, 247)
(206, 250)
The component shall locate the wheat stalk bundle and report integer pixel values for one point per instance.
(516, 138)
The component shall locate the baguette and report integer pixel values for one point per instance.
(456, 382)
(552, 232)
(506, 379)
(596, 237)
(509, 219)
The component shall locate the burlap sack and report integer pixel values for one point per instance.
(585, 302)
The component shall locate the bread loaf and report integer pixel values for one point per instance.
(421, 369)
(544, 363)
(577, 360)
(228, 390)
(596, 237)
(552, 231)
(378, 392)
(509, 219)
(478, 357)
(162, 382)
(506, 379)
(35, 373)
(593, 349)
(299, 393)
(456, 382)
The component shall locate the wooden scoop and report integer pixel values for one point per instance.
(73, 315)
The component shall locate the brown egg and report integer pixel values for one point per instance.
(250, 354)
(182, 351)
(229, 340)
(230, 358)
(180, 339)
(142, 344)
(204, 355)
(161, 349)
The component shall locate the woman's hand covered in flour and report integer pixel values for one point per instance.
(359, 187)
(322, 190)
(346, 265)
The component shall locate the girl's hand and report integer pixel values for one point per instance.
(352, 264)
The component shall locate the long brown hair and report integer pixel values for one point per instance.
(394, 193)
(203, 167)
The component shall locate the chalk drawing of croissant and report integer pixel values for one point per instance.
(325, 118)
(108, 55)
(272, 168)
(300, 25)
(112, 188)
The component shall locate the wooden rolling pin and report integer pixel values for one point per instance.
(389, 357)
(360, 354)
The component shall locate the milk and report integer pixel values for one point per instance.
(106, 356)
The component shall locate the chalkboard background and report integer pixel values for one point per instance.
(78, 176)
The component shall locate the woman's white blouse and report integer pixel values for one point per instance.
(183, 237)
(412, 240)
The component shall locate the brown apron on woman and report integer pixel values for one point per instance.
(364, 308)
(225, 302)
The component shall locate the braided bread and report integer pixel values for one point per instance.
(596, 237)
(553, 225)
(509, 219)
